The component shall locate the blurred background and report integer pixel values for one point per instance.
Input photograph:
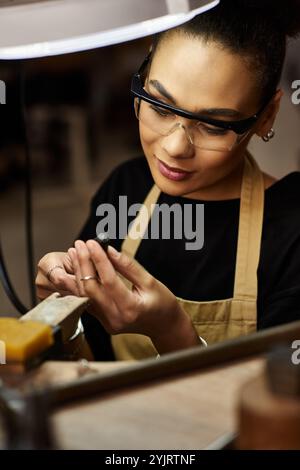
(81, 125)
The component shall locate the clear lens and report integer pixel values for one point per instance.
(202, 135)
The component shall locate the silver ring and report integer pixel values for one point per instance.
(87, 278)
(48, 274)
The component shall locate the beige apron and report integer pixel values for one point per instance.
(219, 319)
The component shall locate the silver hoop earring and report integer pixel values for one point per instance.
(269, 135)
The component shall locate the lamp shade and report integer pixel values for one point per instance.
(40, 28)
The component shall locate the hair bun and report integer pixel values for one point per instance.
(286, 14)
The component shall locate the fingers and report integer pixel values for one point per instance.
(64, 284)
(102, 306)
(53, 274)
(76, 266)
(129, 268)
(83, 267)
(43, 293)
(67, 263)
(112, 283)
(86, 266)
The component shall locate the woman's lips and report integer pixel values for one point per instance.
(175, 174)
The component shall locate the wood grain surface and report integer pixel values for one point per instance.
(189, 412)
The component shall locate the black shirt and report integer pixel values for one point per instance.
(208, 274)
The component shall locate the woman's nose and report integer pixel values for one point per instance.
(178, 143)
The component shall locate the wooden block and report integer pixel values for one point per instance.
(56, 310)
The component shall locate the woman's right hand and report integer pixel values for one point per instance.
(55, 274)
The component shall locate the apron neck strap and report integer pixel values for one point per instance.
(131, 243)
(250, 231)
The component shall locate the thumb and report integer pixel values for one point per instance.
(129, 267)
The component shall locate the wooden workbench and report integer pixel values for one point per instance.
(183, 400)
(187, 412)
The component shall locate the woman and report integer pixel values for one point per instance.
(204, 91)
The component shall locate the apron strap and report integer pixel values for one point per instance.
(131, 243)
(250, 231)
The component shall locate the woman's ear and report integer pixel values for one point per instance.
(268, 117)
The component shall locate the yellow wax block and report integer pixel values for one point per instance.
(24, 340)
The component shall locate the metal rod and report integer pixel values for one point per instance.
(28, 189)
(177, 363)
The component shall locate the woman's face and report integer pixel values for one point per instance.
(198, 77)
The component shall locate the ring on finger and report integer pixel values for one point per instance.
(48, 274)
(88, 278)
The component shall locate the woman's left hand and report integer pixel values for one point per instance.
(149, 308)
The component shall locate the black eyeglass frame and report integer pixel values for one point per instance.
(239, 127)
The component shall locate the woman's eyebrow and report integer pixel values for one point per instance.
(227, 112)
(161, 89)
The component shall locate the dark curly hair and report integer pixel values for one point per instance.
(256, 30)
